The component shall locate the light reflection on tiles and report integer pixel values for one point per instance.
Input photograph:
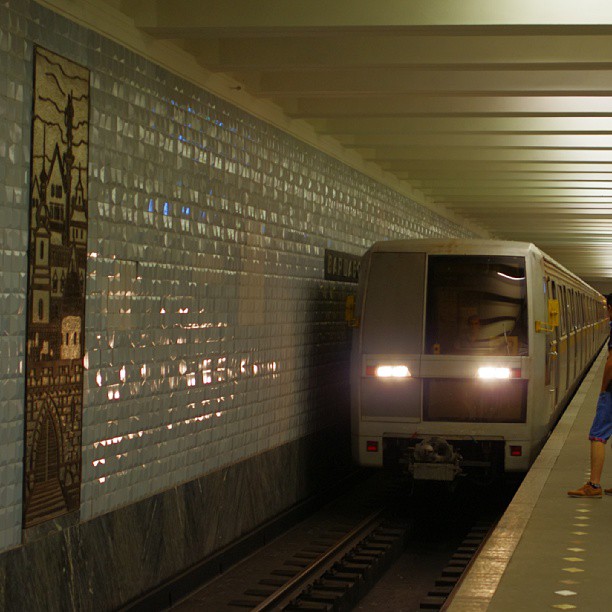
(214, 292)
(206, 306)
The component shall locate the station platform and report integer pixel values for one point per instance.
(550, 551)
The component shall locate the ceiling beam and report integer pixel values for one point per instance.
(385, 49)
(402, 80)
(401, 105)
(470, 125)
(487, 153)
(206, 17)
(561, 141)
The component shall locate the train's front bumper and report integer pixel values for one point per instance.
(475, 452)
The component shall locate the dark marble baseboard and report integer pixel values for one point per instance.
(110, 560)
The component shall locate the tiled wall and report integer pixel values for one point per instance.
(208, 324)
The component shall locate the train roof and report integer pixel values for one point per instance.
(455, 245)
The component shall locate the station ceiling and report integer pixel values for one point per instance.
(497, 111)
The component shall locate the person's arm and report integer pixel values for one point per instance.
(607, 374)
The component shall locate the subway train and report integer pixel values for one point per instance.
(464, 354)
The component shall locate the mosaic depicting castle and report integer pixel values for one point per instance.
(56, 287)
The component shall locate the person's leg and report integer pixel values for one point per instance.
(598, 453)
(601, 430)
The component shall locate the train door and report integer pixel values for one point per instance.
(552, 352)
(562, 352)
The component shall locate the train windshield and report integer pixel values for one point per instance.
(476, 305)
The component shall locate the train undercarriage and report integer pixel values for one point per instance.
(436, 458)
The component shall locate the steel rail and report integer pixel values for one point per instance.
(285, 594)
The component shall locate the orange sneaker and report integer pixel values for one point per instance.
(588, 490)
(608, 491)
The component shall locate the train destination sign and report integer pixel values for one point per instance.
(341, 266)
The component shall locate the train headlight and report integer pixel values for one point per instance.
(392, 371)
(493, 373)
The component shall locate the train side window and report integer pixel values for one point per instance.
(576, 309)
(571, 319)
(554, 294)
(562, 311)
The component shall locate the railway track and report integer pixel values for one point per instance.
(334, 577)
(441, 592)
(334, 559)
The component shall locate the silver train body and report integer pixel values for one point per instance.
(465, 353)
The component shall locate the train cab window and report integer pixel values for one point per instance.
(476, 305)
(392, 319)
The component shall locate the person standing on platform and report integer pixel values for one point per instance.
(601, 429)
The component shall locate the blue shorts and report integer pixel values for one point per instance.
(601, 429)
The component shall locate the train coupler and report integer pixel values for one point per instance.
(434, 458)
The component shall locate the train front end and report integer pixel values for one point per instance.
(440, 361)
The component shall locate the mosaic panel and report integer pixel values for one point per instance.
(56, 287)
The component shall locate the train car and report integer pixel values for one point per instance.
(465, 353)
